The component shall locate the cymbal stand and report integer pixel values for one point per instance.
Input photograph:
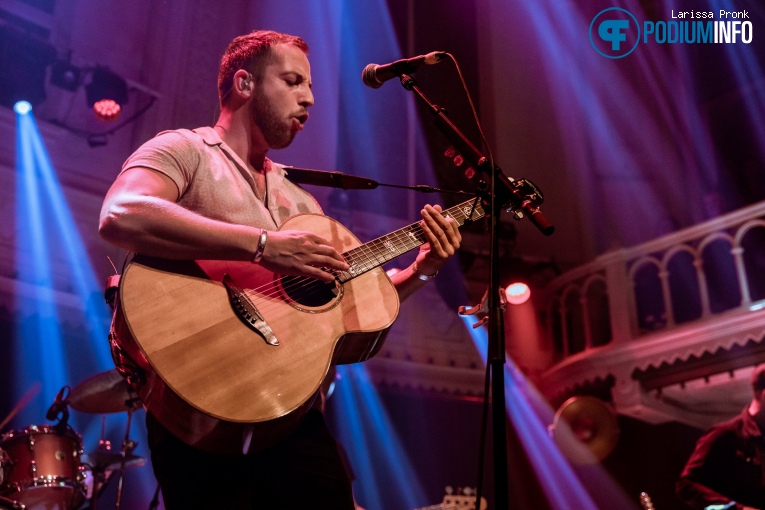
(128, 445)
(100, 478)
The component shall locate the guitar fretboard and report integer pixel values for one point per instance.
(386, 248)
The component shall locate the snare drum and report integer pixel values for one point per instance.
(45, 469)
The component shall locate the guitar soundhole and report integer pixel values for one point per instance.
(308, 291)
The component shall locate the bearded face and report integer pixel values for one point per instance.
(277, 130)
(283, 95)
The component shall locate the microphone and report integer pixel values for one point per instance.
(59, 405)
(374, 75)
(330, 179)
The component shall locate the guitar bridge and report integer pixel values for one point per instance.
(247, 312)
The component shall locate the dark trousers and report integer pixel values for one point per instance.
(304, 471)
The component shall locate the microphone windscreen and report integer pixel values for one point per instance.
(369, 76)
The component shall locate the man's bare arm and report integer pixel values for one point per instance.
(140, 214)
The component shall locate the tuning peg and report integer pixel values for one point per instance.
(645, 501)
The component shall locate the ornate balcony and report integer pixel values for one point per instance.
(666, 330)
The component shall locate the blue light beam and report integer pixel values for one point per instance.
(530, 415)
(376, 452)
(45, 225)
(38, 334)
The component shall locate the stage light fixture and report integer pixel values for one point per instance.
(64, 75)
(22, 107)
(517, 293)
(106, 93)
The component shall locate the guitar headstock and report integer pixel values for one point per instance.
(463, 500)
(462, 503)
(645, 501)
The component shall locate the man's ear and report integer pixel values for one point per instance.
(243, 83)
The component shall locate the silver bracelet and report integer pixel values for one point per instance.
(261, 246)
(422, 276)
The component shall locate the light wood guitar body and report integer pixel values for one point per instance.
(228, 355)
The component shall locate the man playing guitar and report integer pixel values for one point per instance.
(211, 194)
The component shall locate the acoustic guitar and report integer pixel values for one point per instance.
(228, 355)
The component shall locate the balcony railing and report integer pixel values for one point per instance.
(692, 275)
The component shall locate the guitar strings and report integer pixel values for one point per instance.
(409, 233)
(361, 259)
(369, 252)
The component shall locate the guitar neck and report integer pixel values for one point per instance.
(386, 248)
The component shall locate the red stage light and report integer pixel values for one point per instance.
(517, 293)
(106, 93)
(107, 110)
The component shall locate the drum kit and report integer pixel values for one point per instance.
(44, 467)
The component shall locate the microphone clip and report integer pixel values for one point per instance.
(59, 411)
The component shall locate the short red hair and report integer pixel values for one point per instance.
(251, 52)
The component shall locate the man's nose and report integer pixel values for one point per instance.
(307, 98)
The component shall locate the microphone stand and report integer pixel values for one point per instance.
(521, 197)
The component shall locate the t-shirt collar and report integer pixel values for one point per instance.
(212, 138)
(209, 135)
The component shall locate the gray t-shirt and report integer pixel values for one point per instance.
(214, 182)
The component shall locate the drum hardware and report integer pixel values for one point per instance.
(59, 410)
(128, 445)
(103, 463)
(103, 459)
(43, 468)
(106, 393)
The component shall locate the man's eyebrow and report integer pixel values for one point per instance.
(297, 74)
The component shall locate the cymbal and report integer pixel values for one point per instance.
(104, 393)
(585, 429)
(109, 461)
